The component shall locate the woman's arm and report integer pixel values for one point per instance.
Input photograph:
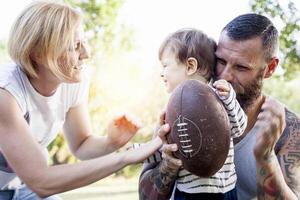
(25, 156)
(84, 145)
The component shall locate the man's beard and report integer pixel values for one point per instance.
(246, 95)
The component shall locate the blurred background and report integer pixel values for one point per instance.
(124, 37)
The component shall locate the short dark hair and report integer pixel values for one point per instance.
(249, 26)
(186, 43)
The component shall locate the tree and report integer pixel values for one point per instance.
(289, 16)
(4, 58)
(103, 31)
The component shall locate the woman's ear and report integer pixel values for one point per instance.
(34, 56)
(191, 66)
(272, 65)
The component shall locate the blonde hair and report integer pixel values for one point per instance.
(47, 29)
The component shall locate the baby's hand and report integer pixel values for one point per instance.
(222, 87)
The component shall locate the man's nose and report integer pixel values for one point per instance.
(226, 74)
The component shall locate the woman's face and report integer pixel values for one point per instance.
(71, 63)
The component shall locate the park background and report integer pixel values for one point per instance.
(124, 37)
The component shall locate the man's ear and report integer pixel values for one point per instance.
(191, 66)
(272, 65)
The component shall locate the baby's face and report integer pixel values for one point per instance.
(173, 72)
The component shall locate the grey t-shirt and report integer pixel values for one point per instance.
(245, 163)
(245, 166)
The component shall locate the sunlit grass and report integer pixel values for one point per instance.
(109, 188)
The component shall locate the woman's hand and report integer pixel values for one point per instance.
(122, 129)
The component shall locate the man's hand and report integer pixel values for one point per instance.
(269, 125)
(157, 179)
(170, 164)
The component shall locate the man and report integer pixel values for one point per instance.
(267, 155)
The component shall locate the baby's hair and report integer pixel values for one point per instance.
(187, 43)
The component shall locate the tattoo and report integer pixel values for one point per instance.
(269, 188)
(290, 164)
(293, 125)
(268, 156)
(289, 161)
(263, 171)
(163, 179)
(157, 183)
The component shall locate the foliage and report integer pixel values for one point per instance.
(289, 16)
(104, 32)
(289, 95)
(4, 58)
(59, 153)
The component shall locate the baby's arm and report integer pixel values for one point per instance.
(237, 116)
(155, 157)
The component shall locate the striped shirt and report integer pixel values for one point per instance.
(225, 179)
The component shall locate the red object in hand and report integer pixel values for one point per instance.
(129, 125)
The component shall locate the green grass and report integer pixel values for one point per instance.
(109, 188)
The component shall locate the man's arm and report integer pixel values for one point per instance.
(157, 179)
(289, 158)
(278, 177)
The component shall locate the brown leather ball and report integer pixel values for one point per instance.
(199, 126)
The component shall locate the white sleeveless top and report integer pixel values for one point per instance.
(45, 115)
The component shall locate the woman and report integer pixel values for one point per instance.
(44, 90)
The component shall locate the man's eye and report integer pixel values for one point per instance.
(241, 67)
(221, 61)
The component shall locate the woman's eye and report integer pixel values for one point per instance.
(77, 46)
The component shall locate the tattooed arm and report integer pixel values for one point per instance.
(157, 180)
(278, 177)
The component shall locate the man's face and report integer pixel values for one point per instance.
(243, 65)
